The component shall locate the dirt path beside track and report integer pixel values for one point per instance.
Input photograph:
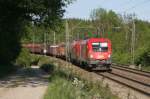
(24, 84)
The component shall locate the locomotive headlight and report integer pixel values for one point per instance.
(91, 56)
(109, 56)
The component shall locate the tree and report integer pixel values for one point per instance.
(105, 20)
(15, 14)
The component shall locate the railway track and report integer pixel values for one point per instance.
(135, 79)
(140, 72)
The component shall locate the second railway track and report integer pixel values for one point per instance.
(136, 71)
(135, 79)
(142, 79)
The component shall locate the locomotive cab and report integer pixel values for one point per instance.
(99, 54)
(92, 53)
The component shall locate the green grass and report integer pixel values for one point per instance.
(146, 68)
(64, 86)
(60, 88)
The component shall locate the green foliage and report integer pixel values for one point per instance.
(35, 59)
(44, 60)
(17, 14)
(24, 58)
(10, 26)
(39, 34)
(104, 20)
(109, 21)
(122, 58)
(47, 68)
(105, 24)
(144, 58)
(146, 68)
(62, 86)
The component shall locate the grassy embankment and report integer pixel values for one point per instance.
(64, 84)
(146, 68)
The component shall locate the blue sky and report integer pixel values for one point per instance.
(83, 8)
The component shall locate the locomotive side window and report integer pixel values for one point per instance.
(100, 47)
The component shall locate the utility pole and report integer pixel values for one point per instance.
(133, 40)
(67, 41)
(125, 26)
(126, 29)
(54, 38)
(54, 42)
(44, 50)
(33, 35)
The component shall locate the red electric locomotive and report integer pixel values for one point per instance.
(94, 53)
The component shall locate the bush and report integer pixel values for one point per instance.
(142, 56)
(24, 58)
(144, 59)
(35, 59)
(62, 87)
(47, 68)
(44, 60)
(122, 58)
(64, 84)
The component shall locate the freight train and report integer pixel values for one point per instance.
(92, 53)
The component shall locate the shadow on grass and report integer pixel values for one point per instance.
(49, 68)
(56, 71)
(26, 77)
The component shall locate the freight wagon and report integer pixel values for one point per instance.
(34, 48)
(93, 53)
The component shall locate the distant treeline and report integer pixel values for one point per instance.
(118, 28)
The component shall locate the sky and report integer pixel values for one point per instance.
(83, 8)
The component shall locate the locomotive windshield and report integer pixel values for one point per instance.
(100, 47)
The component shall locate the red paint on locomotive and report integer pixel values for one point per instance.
(94, 52)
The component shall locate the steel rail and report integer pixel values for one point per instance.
(139, 72)
(132, 79)
(127, 82)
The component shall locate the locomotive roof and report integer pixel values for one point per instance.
(103, 39)
(93, 39)
(54, 46)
